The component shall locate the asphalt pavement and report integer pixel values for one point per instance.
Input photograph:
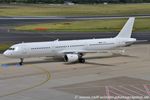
(21, 20)
(17, 37)
(8, 35)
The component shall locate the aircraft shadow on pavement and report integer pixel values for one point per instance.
(30, 62)
(104, 57)
(50, 60)
(110, 56)
(100, 64)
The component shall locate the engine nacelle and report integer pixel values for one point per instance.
(71, 58)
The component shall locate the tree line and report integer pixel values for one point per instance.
(75, 1)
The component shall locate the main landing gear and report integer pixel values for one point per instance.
(81, 60)
(21, 61)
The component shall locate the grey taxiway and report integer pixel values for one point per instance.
(103, 74)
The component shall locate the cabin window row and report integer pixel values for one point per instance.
(69, 46)
(101, 44)
(94, 44)
(40, 48)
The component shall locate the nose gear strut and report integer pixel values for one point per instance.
(21, 61)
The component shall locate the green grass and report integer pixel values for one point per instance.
(4, 46)
(108, 25)
(75, 10)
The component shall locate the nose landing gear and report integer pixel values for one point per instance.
(21, 61)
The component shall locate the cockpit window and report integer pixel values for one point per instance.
(11, 49)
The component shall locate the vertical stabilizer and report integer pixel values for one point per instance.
(126, 31)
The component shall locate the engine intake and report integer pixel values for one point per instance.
(71, 58)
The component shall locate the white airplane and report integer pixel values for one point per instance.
(72, 50)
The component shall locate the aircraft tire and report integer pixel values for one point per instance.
(82, 60)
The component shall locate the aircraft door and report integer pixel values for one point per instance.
(24, 51)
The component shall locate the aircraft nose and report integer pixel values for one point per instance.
(6, 53)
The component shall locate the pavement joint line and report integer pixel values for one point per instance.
(131, 90)
(137, 88)
(110, 91)
(120, 90)
(48, 76)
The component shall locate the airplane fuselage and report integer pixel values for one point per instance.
(58, 48)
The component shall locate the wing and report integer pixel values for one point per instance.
(77, 51)
(84, 52)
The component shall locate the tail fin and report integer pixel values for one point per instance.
(126, 31)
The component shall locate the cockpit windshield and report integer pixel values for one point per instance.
(11, 49)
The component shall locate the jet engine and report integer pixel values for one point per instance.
(71, 58)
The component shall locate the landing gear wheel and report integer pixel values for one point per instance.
(21, 61)
(82, 60)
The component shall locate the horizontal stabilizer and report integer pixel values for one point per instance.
(141, 41)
